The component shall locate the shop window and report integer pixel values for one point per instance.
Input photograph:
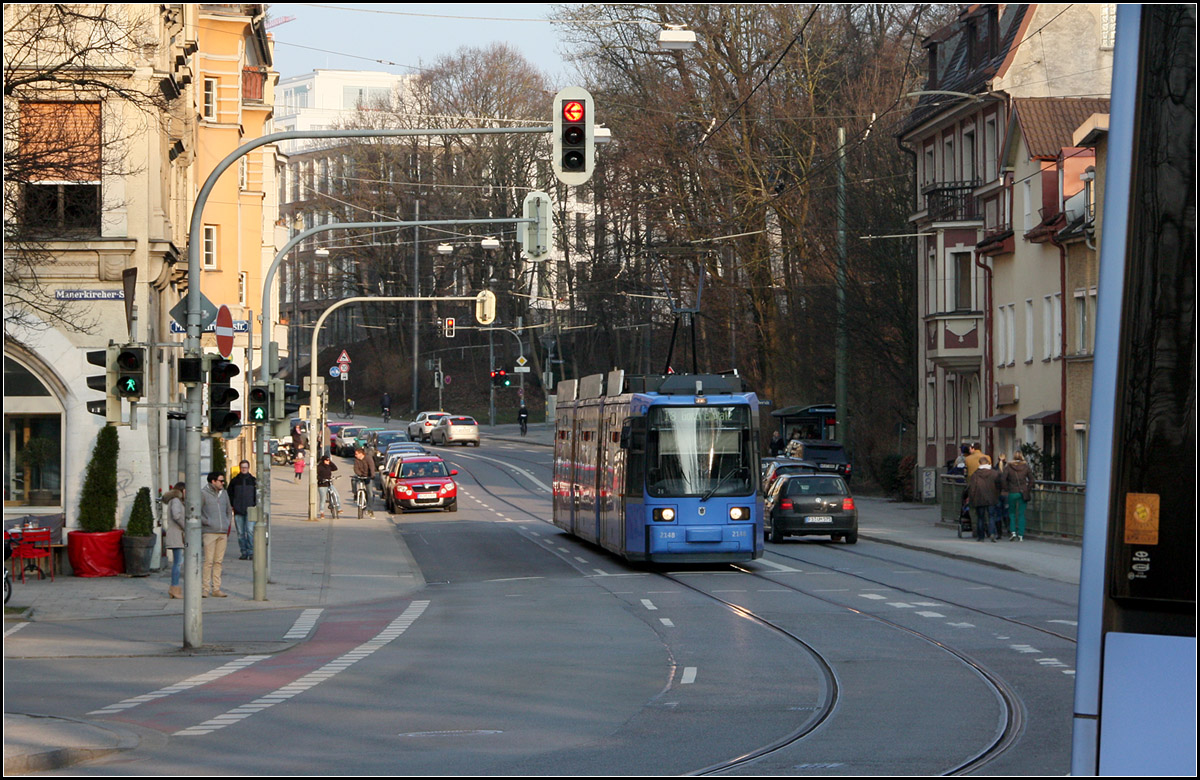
(32, 440)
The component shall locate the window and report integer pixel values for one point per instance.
(210, 247)
(1081, 448)
(1108, 25)
(32, 440)
(1006, 334)
(1028, 330)
(243, 173)
(1052, 326)
(962, 279)
(968, 161)
(210, 100)
(1028, 192)
(59, 158)
(930, 175)
(948, 160)
(989, 149)
(243, 287)
(1057, 319)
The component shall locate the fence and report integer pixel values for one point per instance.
(1056, 510)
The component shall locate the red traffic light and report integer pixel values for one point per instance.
(573, 110)
(222, 371)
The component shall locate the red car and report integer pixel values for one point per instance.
(423, 483)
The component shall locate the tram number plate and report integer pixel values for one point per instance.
(426, 496)
(819, 519)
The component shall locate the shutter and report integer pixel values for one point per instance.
(61, 141)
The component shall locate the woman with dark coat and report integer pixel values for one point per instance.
(1018, 486)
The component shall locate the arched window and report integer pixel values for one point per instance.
(32, 439)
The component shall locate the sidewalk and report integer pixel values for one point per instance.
(329, 563)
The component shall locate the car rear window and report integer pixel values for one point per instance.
(462, 421)
(817, 486)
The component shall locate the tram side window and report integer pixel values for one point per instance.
(633, 441)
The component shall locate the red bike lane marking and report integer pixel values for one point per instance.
(336, 645)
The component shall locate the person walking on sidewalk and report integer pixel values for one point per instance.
(298, 464)
(983, 491)
(1018, 485)
(243, 494)
(216, 518)
(173, 530)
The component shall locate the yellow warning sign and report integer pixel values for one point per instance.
(1141, 518)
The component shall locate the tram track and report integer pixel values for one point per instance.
(1012, 711)
(903, 589)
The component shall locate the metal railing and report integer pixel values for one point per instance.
(951, 201)
(1056, 510)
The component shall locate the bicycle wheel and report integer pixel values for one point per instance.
(360, 498)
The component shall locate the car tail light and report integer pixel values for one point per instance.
(847, 504)
(786, 504)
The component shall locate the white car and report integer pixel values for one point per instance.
(420, 428)
(455, 428)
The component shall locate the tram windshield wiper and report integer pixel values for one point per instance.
(721, 481)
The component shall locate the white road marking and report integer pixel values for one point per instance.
(304, 624)
(394, 629)
(775, 566)
(899, 605)
(875, 596)
(689, 675)
(931, 614)
(1065, 622)
(648, 604)
(961, 625)
(17, 627)
(191, 682)
(528, 475)
(1025, 648)
(666, 622)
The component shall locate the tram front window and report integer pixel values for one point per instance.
(698, 451)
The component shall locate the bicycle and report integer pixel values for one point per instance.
(387, 415)
(348, 410)
(332, 500)
(524, 421)
(362, 498)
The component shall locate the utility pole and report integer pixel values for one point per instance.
(843, 408)
(416, 292)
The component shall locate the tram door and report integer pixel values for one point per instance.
(1135, 694)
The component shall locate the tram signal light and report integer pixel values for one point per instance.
(110, 407)
(574, 136)
(131, 372)
(220, 395)
(260, 403)
(500, 378)
(449, 325)
(278, 393)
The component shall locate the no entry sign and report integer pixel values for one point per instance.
(224, 330)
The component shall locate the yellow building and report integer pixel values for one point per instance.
(235, 96)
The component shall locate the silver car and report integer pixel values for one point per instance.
(419, 429)
(455, 428)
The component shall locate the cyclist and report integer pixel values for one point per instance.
(386, 404)
(523, 419)
(325, 469)
(364, 472)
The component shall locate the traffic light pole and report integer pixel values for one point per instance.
(193, 632)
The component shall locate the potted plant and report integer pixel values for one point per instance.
(139, 540)
(95, 549)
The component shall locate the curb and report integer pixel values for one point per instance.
(20, 759)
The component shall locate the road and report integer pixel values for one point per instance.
(522, 650)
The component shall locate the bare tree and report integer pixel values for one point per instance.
(63, 66)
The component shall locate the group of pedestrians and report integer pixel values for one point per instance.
(993, 490)
(222, 511)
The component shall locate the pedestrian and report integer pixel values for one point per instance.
(325, 469)
(298, 464)
(523, 419)
(795, 445)
(960, 463)
(1018, 484)
(983, 491)
(971, 461)
(243, 494)
(173, 531)
(1002, 523)
(216, 518)
(776, 444)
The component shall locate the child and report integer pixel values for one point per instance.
(299, 464)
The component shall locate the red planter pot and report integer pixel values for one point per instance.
(96, 553)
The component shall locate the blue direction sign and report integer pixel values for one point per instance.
(334, 372)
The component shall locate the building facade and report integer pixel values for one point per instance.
(992, 325)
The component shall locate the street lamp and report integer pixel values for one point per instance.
(490, 242)
(674, 38)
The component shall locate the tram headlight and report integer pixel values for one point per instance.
(664, 514)
(739, 513)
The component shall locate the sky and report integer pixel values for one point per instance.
(398, 37)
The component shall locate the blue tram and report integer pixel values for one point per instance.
(659, 468)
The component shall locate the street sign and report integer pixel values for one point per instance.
(224, 331)
(344, 357)
(335, 372)
(521, 370)
(208, 312)
(521, 360)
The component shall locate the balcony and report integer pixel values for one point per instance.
(954, 340)
(951, 201)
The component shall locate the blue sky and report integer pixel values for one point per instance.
(395, 37)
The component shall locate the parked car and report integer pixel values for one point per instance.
(828, 455)
(394, 453)
(455, 428)
(346, 437)
(424, 483)
(419, 429)
(774, 468)
(810, 505)
(334, 427)
(380, 440)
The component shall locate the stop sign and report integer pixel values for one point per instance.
(224, 330)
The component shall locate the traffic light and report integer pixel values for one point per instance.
(535, 236)
(574, 136)
(110, 407)
(131, 372)
(220, 417)
(260, 404)
(500, 378)
(449, 327)
(278, 398)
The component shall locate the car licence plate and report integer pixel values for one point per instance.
(829, 466)
(819, 519)
(426, 496)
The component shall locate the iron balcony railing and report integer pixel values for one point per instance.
(951, 201)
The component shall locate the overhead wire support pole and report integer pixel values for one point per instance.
(193, 635)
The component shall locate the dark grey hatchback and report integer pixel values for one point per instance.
(810, 505)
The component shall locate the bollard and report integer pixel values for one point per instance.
(260, 553)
